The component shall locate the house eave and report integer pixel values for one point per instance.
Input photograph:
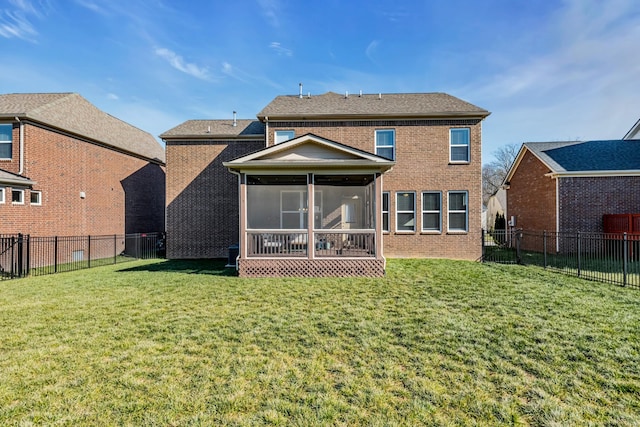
(593, 174)
(397, 116)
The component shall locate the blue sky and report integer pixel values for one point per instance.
(546, 69)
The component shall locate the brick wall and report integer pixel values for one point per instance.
(122, 193)
(584, 200)
(422, 164)
(531, 196)
(202, 197)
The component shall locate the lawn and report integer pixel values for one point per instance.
(435, 342)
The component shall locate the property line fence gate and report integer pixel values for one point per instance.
(24, 255)
(604, 257)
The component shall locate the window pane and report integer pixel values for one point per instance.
(387, 153)
(431, 201)
(431, 221)
(6, 133)
(460, 136)
(457, 201)
(405, 222)
(458, 221)
(385, 137)
(385, 202)
(459, 154)
(405, 201)
(17, 196)
(284, 135)
(5, 150)
(290, 201)
(385, 221)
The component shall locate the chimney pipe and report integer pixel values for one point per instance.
(235, 122)
(300, 84)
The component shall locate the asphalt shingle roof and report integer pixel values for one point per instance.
(72, 113)
(332, 104)
(215, 129)
(609, 155)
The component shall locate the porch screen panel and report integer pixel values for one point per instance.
(276, 201)
(347, 201)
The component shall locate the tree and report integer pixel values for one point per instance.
(493, 173)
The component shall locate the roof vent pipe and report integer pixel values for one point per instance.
(360, 93)
(308, 94)
(208, 129)
(379, 95)
(300, 84)
(346, 94)
(235, 122)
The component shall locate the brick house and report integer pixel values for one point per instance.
(67, 168)
(398, 174)
(569, 186)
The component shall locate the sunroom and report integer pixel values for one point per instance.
(310, 207)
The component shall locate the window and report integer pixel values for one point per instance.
(386, 143)
(284, 135)
(17, 197)
(459, 142)
(385, 211)
(6, 137)
(1, 195)
(431, 211)
(36, 198)
(458, 211)
(405, 211)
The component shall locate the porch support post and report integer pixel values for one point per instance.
(378, 215)
(243, 216)
(311, 246)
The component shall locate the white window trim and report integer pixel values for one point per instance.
(21, 197)
(451, 145)
(385, 146)
(2, 195)
(388, 212)
(288, 132)
(39, 202)
(398, 211)
(466, 213)
(439, 212)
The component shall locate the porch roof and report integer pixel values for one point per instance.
(310, 152)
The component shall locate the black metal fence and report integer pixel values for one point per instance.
(604, 257)
(24, 255)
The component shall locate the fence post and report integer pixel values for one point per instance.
(579, 249)
(625, 258)
(28, 265)
(55, 254)
(20, 254)
(115, 249)
(544, 244)
(518, 240)
(482, 259)
(89, 251)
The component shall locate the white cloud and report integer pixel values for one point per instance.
(270, 9)
(177, 62)
(280, 50)
(371, 49)
(113, 96)
(15, 22)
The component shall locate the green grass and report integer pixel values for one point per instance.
(435, 342)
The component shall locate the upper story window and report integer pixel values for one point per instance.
(459, 141)
(6, 137)
(386, 143)
(284, 135)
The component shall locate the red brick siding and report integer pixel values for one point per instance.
(583, 201)
(202, 197)
(422, 156)
(63, 167)
(531, 196)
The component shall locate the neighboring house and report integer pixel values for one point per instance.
(569, 186)
(496, 206)
(399, 175)
(67, 169)
(634, 132)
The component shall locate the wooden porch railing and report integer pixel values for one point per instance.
(294, 243)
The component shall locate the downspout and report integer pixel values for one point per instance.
(21, 138)
(266, 131)
(557, 214)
